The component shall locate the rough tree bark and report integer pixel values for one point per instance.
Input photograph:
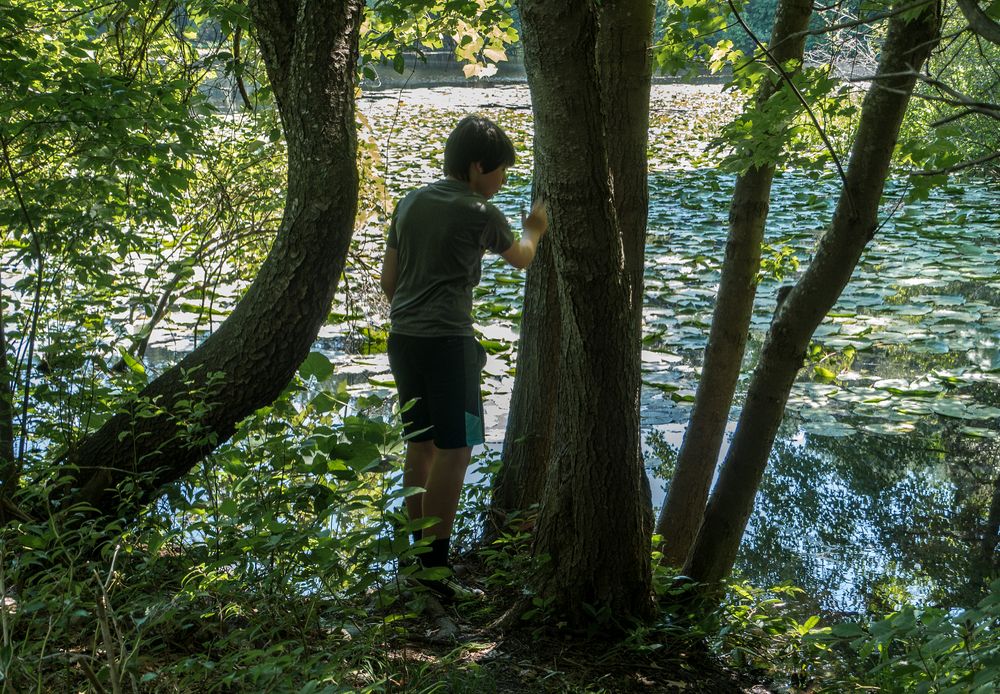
(625, 70)
(311, 52)
(682, 511)
(595, 517)
(530, 427)
(906, 47)
(979, 21)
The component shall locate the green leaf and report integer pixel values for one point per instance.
(433, 573)
(132, 363)
(317, 366)
(847, 631)
(494, 346)
(953, 409)
(824, 373)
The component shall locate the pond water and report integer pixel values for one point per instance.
(884, 483)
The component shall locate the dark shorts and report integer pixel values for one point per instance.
(442, 374)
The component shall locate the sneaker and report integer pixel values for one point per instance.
(451, 589)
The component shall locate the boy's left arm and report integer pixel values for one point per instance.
(390, 271)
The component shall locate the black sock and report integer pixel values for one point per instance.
(438, 556)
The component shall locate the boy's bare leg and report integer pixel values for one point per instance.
(444, 485)
(416, 468)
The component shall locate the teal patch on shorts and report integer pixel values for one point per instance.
(474, 434)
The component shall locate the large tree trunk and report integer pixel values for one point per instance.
(527, 441)
(625, 70)
(595, 518)
(311, 52)
(906, 47)
(682, 511)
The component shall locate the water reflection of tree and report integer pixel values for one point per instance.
(866, 521)
(976, 475)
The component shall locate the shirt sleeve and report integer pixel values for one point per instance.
(497, 235)
(392, 240)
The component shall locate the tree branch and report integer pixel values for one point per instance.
(791, 84)
(237, 35)
(979, 21)
(989, 112)
(953, 96)
(958, 167)
(862, 20)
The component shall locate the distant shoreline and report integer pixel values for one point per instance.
(441, 69)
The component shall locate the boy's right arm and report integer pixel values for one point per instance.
(522, 251)
(390, 272)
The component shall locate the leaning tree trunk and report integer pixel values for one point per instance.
(594, 520)
(311, 51)
(906, 47)
(682, 511)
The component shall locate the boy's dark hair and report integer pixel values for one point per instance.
(476, 139)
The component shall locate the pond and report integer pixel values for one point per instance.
(882, 482)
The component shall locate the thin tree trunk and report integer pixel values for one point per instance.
(854, 224)
(593, 525)
(310, 50)
(682, 511)
(8, 464)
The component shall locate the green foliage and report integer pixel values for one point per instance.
(507, 558)
(776, 632)
(690, 39)
(922, 649)
(474, 503)
(88, 166)
(777, 263)
(268, 568)
(479, 32)
(941, 131)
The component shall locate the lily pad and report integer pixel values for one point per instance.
(953, 409)
(980, 432)
(829, 429)
(889, 428)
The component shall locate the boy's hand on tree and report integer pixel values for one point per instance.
(533, 228)
(538, 219)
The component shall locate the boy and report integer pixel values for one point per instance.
(433, 259)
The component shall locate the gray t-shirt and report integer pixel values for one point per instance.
(441, 232)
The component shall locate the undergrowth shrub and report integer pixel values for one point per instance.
(271, 567)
